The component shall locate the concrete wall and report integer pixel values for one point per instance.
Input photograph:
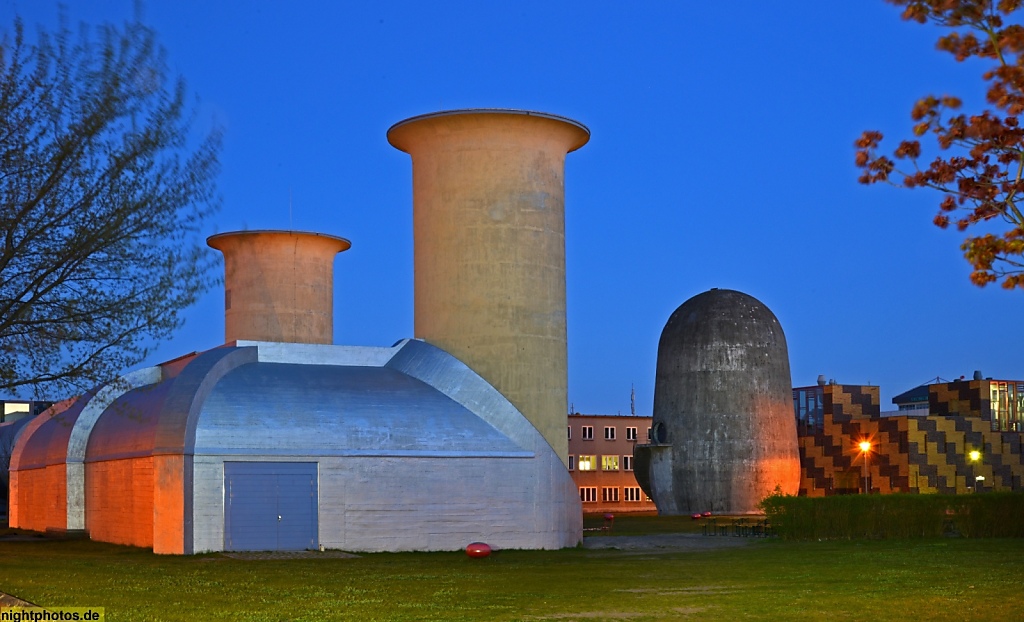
(39, 499)
(371, 503)
(119, 498)
(38, 471)
(489, 245)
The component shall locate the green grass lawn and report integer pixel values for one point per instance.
(951, 579)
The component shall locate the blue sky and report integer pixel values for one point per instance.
(721, 156)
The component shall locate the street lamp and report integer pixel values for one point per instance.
(865, 449)
(975, 456)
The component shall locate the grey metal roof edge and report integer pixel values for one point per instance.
(176, 431)
(18, 459)
(78, 441)
(360, 453)
(15, 429)
(460, 383)
(321, 354)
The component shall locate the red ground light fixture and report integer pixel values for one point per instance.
(478, 549)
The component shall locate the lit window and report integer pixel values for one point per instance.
(609, 433)
(587, 433)
(627, 463)
(588, 494)
(569, 428)
(587, 463)
(609, 494)
(630, 434)
(631, 493)
(572, 462)
(609, 463)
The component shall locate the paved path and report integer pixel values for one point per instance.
(259, 555)
(668, 542)
(6, 600)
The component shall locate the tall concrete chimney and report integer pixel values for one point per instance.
(489, 229)
(278, 285)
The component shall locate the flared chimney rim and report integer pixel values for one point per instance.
(494, 111)
(342, 243)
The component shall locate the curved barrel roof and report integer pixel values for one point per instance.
(293, 409)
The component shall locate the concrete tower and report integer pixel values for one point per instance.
(489, 229)
(723, 430)
(278, 285)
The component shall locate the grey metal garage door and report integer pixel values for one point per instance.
(270, 506)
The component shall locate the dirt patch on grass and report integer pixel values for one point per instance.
(612, 615)
(700, 589)
(588, 615)
(685, 611)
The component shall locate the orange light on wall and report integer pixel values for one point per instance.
(865, 446)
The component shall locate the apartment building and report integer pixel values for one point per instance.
(601, 461)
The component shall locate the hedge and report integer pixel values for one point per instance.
(848, 517)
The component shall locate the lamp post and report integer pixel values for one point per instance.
(975, 456)
(865, 449)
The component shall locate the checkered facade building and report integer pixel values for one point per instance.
(917, 453)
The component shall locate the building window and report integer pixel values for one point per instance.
(587, 463)
(609, 433)
(588, 494)
(630, 434)
(569, 428)
(572, 462)
(915, 407)
(1004, 401)
(627, 463)
(587, 433)
(609, 463)
(632, 493)
(609, 494)
(809, 405)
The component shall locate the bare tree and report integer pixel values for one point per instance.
(104, 186)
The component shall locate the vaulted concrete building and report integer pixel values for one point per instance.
(277, 446)
(282, 440)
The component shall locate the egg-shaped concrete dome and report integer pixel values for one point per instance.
(723, 429)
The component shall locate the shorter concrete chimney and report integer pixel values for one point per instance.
(278, 285)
